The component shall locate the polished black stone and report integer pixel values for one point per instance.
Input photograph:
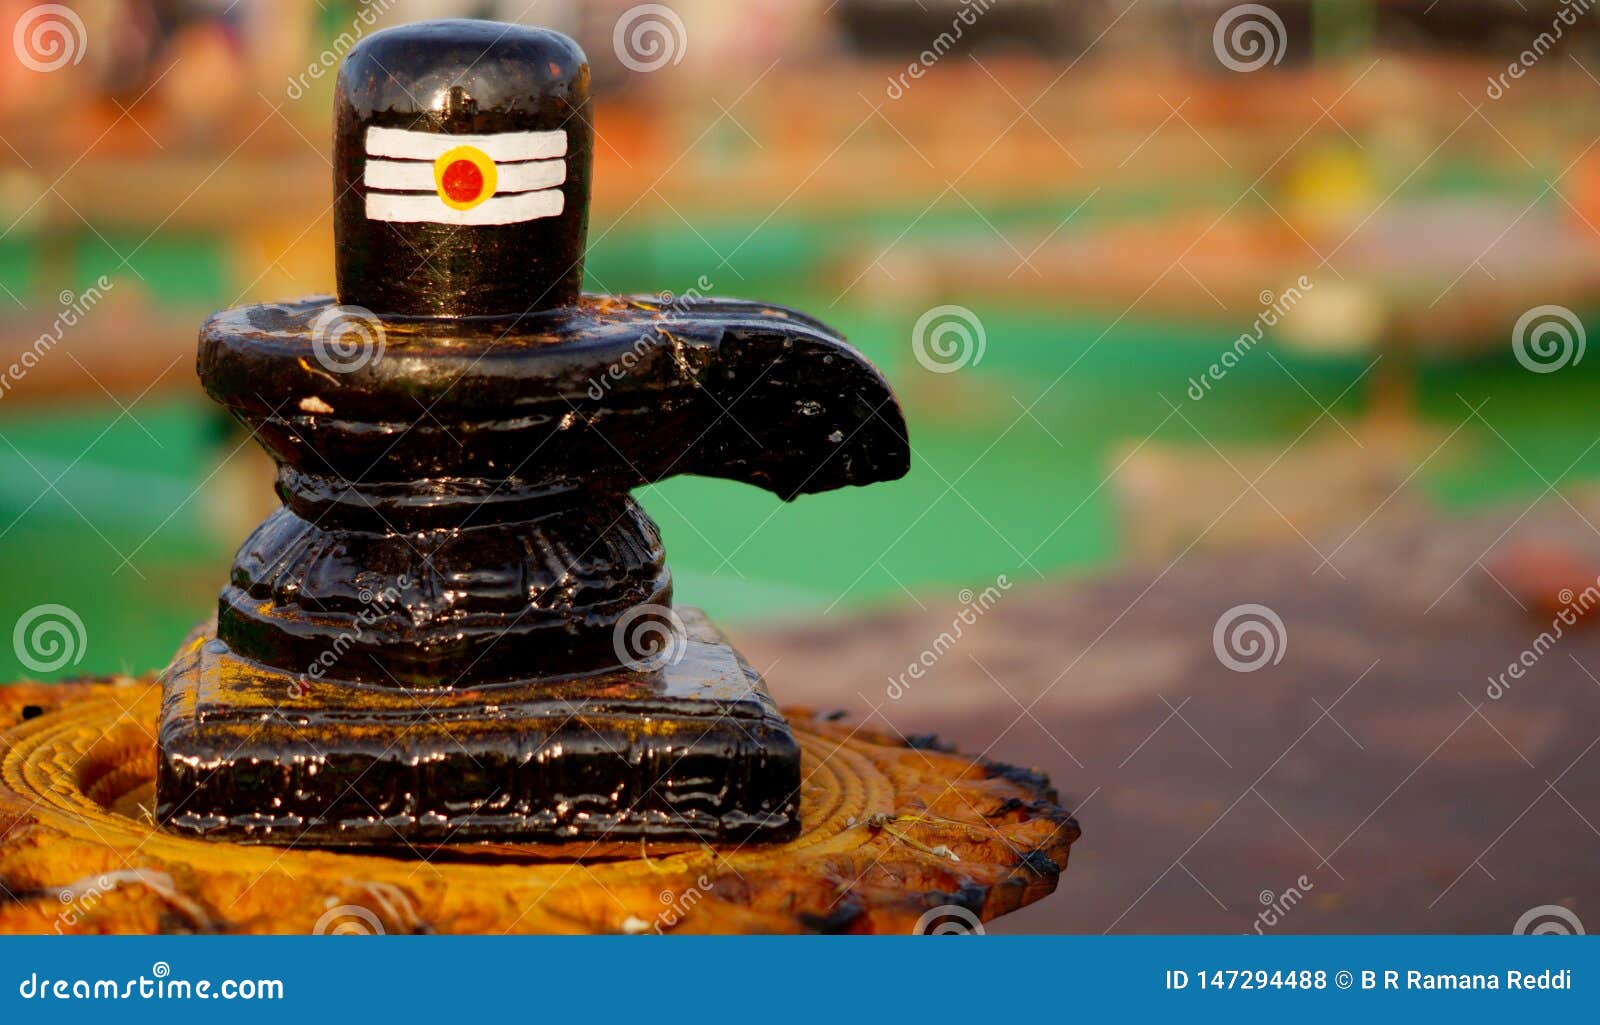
(449, 631)
(694, 751)
(481, 471)
(461, 77)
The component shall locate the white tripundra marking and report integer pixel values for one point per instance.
(465, 180)
(414, 207)
(503, 146)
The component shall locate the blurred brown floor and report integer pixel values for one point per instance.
(1370, 760)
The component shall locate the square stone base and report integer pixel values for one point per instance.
(695, 751)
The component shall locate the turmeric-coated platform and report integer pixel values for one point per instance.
(893, 836)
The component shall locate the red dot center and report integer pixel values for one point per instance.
(462, 181)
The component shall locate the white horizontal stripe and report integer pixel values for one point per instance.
(416, 176)
(397, 142)
(412, 207)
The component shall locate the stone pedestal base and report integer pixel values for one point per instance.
(693, 751)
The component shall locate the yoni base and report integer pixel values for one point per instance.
(695, 751)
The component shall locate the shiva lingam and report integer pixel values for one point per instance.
(459, 625)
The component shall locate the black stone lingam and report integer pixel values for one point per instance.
(459, 626)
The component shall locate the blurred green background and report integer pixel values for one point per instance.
(865, 210)
(83, 486)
